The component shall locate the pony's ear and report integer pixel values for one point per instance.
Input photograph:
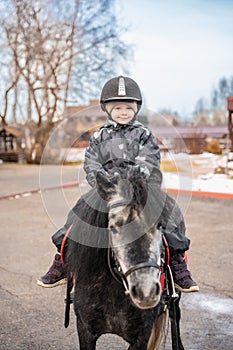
(105, 185)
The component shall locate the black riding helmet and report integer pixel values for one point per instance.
(121, 89)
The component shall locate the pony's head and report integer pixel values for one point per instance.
(135, 240)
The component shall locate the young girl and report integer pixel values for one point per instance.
(123, 138)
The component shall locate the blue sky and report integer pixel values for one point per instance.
(182, 48)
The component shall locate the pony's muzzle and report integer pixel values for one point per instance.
(145, 298)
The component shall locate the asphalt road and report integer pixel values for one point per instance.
(32, 317)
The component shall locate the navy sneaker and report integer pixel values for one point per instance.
(55, 276)
(182, 277)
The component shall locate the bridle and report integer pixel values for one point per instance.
(113, 263)
(169, 295)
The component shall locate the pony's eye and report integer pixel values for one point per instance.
(113, 229)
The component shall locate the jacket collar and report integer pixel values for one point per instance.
(111, 122)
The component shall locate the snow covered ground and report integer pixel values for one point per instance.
(195, 172)
(200, 173)
(219, 183)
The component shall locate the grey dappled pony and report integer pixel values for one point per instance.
(116, 255)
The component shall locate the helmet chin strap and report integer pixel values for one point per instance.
(106, 111)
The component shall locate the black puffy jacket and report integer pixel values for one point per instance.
(132, 142)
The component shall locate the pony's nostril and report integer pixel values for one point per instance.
(136, 292)
(157, 289)
(133, 291)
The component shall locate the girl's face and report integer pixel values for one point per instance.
(123, 113)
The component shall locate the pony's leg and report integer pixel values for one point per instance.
(85, 345)
(87, 341)
(156, 336)
(138, 346)
(175, 315)
(158, 331)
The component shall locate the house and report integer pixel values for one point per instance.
(10, 141)
(188, 139)
(170, 135)
(85, 120)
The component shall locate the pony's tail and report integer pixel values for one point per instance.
(158, 331)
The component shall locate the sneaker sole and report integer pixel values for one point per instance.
(190, 290)
(41, 284)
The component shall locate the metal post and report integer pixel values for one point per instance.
(230, 122)
(230, 129)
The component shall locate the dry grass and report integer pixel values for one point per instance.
(168, 166)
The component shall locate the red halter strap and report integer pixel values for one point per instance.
(64, 243)
(167, 253)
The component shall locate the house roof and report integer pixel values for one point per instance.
(11, 130)
(220, 131)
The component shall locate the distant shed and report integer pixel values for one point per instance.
(10, 140)
(190, 139)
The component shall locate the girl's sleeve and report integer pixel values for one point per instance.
(92, 162)
(149, 153)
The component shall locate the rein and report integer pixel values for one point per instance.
(122, 203)
(116, 271)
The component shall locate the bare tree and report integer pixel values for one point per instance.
(220, 93)
(218, 100)
(60, 51)
(5, 103)
(201, 112)
(213, 110)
